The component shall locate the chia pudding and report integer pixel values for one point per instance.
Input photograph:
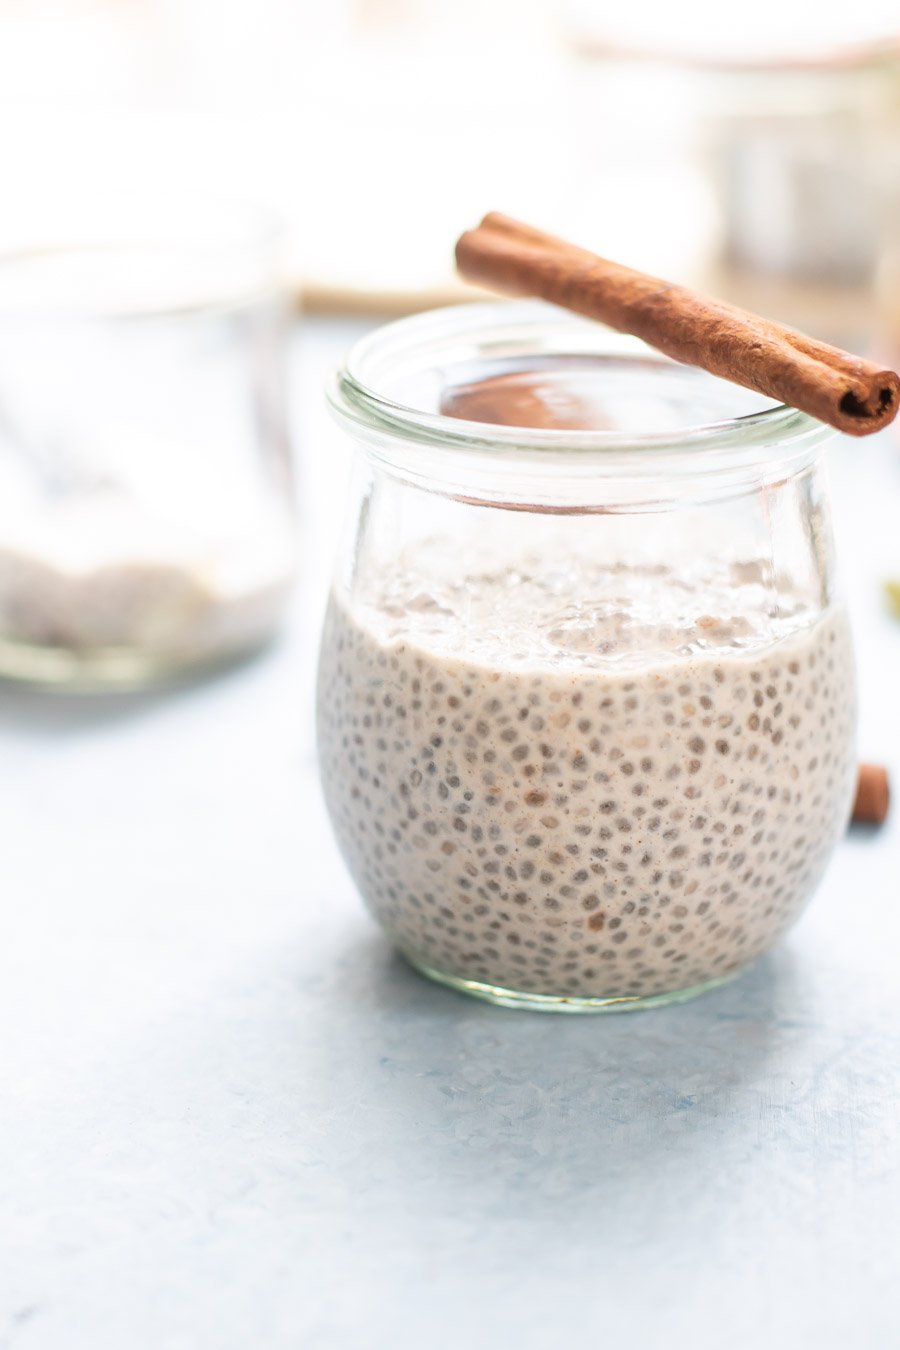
(573, 800)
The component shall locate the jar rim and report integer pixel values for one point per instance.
(355, 398)
(138, 256)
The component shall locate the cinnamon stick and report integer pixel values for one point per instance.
(848, 393)
(872, 795)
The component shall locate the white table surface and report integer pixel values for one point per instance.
(230, 1118)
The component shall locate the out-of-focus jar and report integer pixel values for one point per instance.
(586, 693)
(770, 143)
(146, 517)
(797, 148)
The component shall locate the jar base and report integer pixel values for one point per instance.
(558, 1003)
(114, 670)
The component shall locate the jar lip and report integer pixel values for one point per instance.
(138, 256)
(355, 398)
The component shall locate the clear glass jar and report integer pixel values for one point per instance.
(586, 697)
(146, 516)
(797, 155)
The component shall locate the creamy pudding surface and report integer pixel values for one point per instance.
(570, 799)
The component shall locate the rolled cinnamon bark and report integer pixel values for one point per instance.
(872, 795)
(848, 393)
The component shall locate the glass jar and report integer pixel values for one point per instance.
(797, 157)
(586, 695)
(146, 517)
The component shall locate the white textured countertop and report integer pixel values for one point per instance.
(231, 1119)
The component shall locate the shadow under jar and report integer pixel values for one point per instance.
(586, 696)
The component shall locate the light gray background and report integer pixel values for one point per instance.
(231, 1119)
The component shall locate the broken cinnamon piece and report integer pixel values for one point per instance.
(872, 795)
